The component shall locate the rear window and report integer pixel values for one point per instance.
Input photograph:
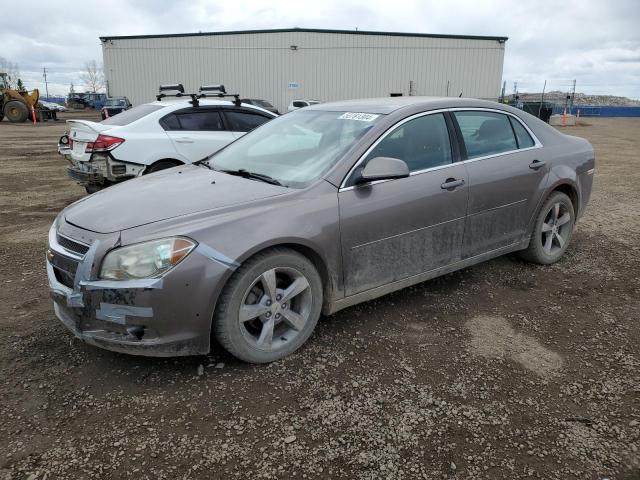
(523, 137)
(131, 115)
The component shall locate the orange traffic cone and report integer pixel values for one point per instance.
(564, 118)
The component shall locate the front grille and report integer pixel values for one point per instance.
(72, 245)
(64, 269)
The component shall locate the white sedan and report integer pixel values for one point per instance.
(152, 137)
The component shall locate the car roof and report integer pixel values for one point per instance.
(386, 105)
(186, 102)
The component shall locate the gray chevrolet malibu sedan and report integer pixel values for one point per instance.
(315, 211)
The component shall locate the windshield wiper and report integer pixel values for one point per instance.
(256, 176)
(203, 162)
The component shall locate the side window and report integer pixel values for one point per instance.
(170, 122)
(422, 142)
(198, 121)
(299, 104)
(523, 137)
(244, 121)
(485, 133)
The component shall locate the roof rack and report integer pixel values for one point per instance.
(220, 92)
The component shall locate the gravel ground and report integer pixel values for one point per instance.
(503, 370)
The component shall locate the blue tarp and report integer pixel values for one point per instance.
(600, 111)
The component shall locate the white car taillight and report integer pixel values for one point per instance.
(104, 143)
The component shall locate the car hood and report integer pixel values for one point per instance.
(167, 194)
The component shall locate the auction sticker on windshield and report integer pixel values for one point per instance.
(363, 117)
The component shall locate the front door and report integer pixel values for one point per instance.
(506, 180)
(391, 230)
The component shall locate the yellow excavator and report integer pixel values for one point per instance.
(14, 104)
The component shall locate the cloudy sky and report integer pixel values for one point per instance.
(595, 42)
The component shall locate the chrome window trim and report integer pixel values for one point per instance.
(538, 144)
(536, 140)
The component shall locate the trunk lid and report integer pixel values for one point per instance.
(82, 132)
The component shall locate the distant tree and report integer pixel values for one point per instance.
(93, 76)
(20, 86)
(11, 69)
(71, 90)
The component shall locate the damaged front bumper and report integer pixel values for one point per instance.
(167, 316)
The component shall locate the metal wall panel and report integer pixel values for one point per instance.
(326, 66)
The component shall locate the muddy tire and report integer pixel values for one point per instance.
(93, 188)
(552, 231)
(269, 307)
(15, 111)
(161, 165)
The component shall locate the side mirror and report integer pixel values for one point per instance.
(383, 168)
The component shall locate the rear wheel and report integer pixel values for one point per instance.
(553, 230)
(94, 187)
(16, 111)
(162, 165)
(269, 307)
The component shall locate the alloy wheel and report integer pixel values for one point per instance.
(275, 308)
(556, 228)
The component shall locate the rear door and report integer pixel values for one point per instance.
(392, 230)
(506, 172)
(197, 132)
(241, 121)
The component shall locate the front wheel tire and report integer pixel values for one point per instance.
(270, 306)
(553, 230)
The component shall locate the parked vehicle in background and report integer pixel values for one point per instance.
(54, 106)
(261, 103)
(153, 136)
(80, 101)
(114, 105)
(296, 104)
(318, 210)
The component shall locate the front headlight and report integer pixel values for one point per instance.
(144, 260)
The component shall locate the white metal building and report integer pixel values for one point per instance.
(282, 65)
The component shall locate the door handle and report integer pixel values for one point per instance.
(536, 164)
(184, 140)
(451, 184)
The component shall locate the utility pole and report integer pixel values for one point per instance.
(542, 98)
(46, 84)
(573, 94)
(504, 87)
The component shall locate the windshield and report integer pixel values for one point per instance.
(115, 103)
(297, 148)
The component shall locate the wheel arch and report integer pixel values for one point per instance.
(175, 161)
(306, 249)
(570, 190)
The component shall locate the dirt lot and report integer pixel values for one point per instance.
(504, 370)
